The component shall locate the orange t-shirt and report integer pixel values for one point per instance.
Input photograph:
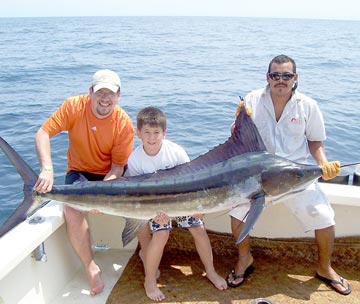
(93, 143)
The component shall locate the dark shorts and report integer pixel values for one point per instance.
(73, 176)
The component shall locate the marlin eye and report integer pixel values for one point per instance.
(299, 173)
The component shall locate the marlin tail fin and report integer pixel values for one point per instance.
(29, 177)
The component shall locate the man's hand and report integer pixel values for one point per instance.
(330, 169)
(97, 212)
(45, 180)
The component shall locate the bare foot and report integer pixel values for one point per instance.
(217, 280)
(152, 291)
(141, 255)
(96, 283)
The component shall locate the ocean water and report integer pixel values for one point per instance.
(193, 68)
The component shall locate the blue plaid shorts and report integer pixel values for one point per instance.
(182, 222)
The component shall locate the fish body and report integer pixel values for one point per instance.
(222, 187)
(235, 172)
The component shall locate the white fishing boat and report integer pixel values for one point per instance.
(38, 265)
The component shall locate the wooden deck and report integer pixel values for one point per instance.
(284, 273)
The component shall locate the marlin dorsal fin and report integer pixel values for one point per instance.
(244, 138)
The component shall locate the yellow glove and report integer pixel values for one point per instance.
(330, 169)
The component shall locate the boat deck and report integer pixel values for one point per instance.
(284, 273)
(112, 263)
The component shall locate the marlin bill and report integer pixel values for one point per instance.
(235, 172)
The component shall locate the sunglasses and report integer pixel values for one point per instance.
(276, 76)
(103, 94)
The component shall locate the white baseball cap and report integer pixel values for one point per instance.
(106, 79)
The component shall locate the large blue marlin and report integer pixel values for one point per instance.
(237, 171)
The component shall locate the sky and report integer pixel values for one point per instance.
(313, 9)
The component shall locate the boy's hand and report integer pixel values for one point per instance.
(330, 169)
(161, 218)
(198, 216)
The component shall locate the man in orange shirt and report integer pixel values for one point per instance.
(101, 138)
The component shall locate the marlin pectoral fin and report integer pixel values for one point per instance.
(132, 229)
(257, 206)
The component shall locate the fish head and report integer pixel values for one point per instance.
(288, 178)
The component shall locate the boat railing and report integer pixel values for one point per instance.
(345, 179)
(28, 237)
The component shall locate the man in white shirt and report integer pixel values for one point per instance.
(292, 126)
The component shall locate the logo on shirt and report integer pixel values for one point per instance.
(94, 128)
(293, 120)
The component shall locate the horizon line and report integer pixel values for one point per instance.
(184, 16)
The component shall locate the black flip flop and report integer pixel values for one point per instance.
(243, 276)
(330, 283)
